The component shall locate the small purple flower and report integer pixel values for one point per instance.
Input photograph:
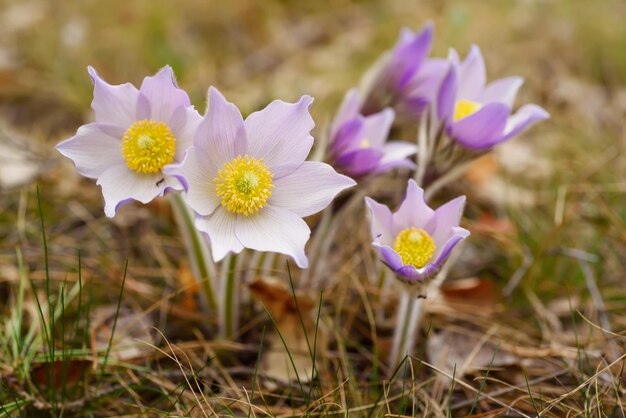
(136, 134)
(415, 241)
(476, 115)
(248, 180)
(402, 77)
(358, 143)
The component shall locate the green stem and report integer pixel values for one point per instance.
(231, 317)
(197, 248)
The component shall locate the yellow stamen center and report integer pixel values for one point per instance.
(464, 108)
(414, 246)
(148, 146)
(365, 143)
(245, 185)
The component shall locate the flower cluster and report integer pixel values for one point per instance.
(247, 180)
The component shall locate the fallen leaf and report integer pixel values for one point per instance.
(131, 333)
(66, 372)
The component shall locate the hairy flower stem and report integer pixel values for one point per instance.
(409, 316)
(229, 315)
(197, 249)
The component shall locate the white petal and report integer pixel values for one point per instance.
(309, 188)
(184, 124)
(349, 109)
(280, 133)
(163, 94)
(503, 90)
(277, 230)
(220, 227)
(377, 126)
(397, 150)
(413, 211)
(472, 74)
(197, 173)
(380, 222)
(114, 105)
(92, 150)
(120, 184)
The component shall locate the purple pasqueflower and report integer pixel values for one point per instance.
(248, 180)
(414, 241)
(136, 134)
(401, 78)
(358, 143)
(478, 116)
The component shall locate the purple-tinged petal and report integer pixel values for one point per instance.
(424, 86)
(503, 90)
(526, 116)
(395, 155)
(144, 109)
(348, 136)
(458, 234)
(408, 55)
(277, 230)
(184, 125)
(120, 184)
(114, 105)
(220, 227)
(483, 129)
(349, 109)
(196, 173)
(413, 275)
(390, 257)
(413, 211)
(472, 75)
(359, 162)
(309, 188)
(221, 134)
(380, 222)
(92, 151)
(163, 94)
(280, 133)
(446, 218)
(377, 126)
(446, 98)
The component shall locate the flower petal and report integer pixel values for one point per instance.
(347, 136)
(446, 97)
(395, 155)
(526, 116)
(359, 162)
(413, 211)
(196, 173)
(220, 227)
(120, 185)
(91, 150)
(349, 109)
(472, 75)
(277, 230)
(503, 90)
(221, 134)
(408, 55)
(280, 133)
(446, 218)
(381, 221)
(115, 106)
(184, 124)
(376, 127)
(163, 94)
(309, 188)
(483, 129)
(458, 235)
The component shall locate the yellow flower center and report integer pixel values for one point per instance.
(245, 185)
(148, 146)
(414, 246)
(464, 108)
(365, 143)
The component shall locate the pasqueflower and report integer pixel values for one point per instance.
(136, 134)
(358, 144)
(415, 241)
(476, 115)
(248, 181)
